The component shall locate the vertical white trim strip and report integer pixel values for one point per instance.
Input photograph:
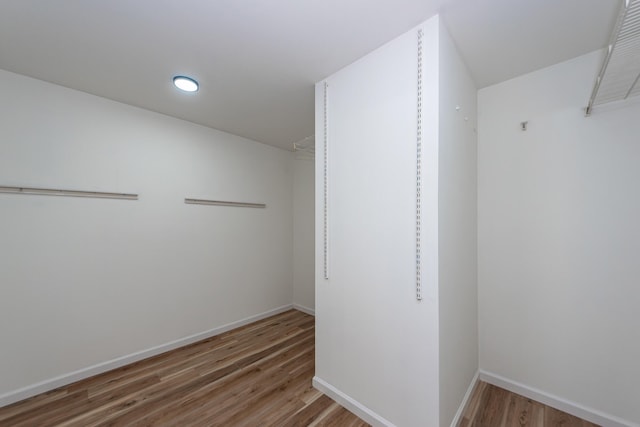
(419, 174)
(326, 182)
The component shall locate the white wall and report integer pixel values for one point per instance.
(559, 239)
(457, 201)
(303, 234)
(85, 281)
(376, 345)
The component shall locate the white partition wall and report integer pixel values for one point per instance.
(378, 344)
(457, 207)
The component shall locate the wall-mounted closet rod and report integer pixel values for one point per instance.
(224, 203)
(66, 193)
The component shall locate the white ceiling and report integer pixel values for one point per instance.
(502, 39)
(257, 60)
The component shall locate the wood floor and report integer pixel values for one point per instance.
(257, 375)
(492, 406)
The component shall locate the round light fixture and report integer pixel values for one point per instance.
(186, 84)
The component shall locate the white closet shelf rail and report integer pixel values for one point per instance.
(224, 203)
(66, 193)
(620, 70)
(307, 143)
(305, 148)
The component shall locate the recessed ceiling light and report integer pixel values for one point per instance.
(186, 84)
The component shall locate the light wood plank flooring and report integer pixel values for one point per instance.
(256, 375)
(492, 406)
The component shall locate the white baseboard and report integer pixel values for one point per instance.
(548, 399)
(465, 400)
(351, 404)
(62, 380)
(304, 309)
